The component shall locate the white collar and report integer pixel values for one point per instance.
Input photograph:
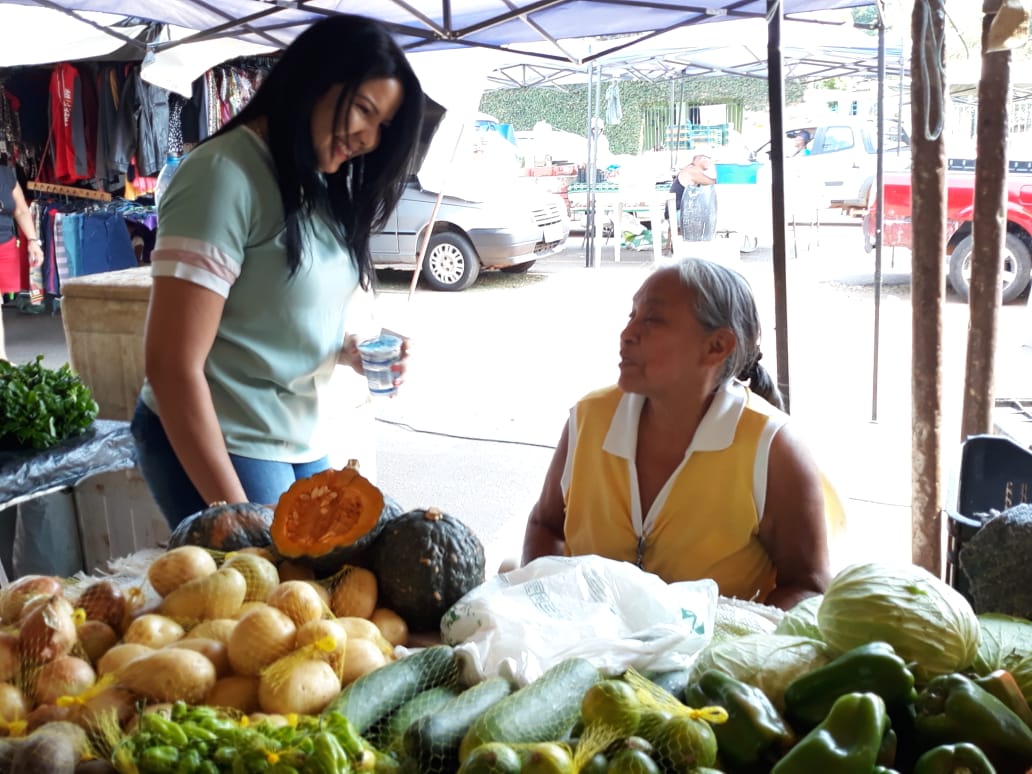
(716, 431)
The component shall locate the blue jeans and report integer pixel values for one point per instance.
(263, 480)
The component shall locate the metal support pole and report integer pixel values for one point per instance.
(879, 218)
(776, 95)
(928, 281)
(990, 232)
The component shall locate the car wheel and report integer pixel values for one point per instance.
(519, 268)
(1017, 267)
(451, 262)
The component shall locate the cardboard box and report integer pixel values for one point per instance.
(103, 317)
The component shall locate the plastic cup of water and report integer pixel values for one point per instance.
(378, 356)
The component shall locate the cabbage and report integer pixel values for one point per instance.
(801, 620)
(1005, 641)
(737, 617)
(921, 617)
(768, 661)
(1022, 674)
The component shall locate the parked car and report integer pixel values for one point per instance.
(509, 232)
(843, 154)
(960, 208)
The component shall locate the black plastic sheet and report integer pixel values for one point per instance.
(106, 446)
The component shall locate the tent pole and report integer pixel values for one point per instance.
(776, 96)
(879, 206)
(928, 281)
(429, 230)
(589, 178)
(989, 229)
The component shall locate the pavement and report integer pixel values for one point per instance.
(496, 368)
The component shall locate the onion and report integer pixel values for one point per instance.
(104, 601)
(49, 631)
(115, 702)
(47, 713)
(64, 676)
(14, 597)
(13, 704)
(96, 638)
(10, 658)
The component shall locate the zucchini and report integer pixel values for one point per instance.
(432, 742)
(374, 695)
(543, 711)
(388, 734)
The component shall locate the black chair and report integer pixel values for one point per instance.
(995, 473)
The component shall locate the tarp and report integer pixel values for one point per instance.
(417, 24)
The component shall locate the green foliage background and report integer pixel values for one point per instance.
(566, 109)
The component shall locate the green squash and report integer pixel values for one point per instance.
(424, 562)
(225, 527)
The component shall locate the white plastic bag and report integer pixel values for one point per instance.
(612, 613)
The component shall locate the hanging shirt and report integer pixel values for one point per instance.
(704, 523)
(8, 179)
(71, 161)
(221, 225)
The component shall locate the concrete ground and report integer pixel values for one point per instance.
(496, 367)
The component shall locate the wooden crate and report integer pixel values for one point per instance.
(117, 517)
(104, 316)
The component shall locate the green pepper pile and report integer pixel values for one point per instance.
(203, 740)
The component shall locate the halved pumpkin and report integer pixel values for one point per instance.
(326, 511)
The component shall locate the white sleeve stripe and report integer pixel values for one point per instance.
(762, 463)
(192, 274)
(568, 467)
(205, 250)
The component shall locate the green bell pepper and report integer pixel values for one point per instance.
(755, 734)
(953, 709)
(870, 668)
(847, 741)
(960, 758)
(1004, 687)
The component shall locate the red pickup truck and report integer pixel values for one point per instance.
(1017, 258)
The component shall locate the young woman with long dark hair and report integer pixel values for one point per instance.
(263, 237)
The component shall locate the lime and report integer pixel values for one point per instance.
(611, 704)
(491, 758)
(547, 758)
(630, 761)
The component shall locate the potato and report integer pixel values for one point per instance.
(315, 631)
(120, 655)
(96, 639)
(180, 565)
(298, 600)
(364, 629)
(216, 652)
(391, 625)
(169, 675)
(290, 571)
(220, 629)
(261, 637)
(247, 607)
(355, 594)
(237, 692)
(260, 574)
(304, 689)
(218, 595)
(154, 631)
(360, 657)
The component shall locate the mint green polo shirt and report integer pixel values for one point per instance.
(221, 225)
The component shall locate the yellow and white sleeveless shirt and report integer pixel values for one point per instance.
(704, 521)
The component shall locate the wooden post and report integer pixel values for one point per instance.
(928, 281)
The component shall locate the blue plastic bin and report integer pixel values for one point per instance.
(737, 173)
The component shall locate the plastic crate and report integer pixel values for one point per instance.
(995, 473)
(737, 173)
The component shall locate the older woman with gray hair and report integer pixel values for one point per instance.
(688, 466)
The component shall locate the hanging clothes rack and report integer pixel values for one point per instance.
(69, 190)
